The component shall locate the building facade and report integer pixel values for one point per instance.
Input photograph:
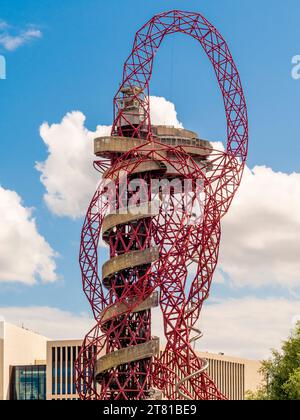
(34, 368)
(61, 356)
(233, 376)
(18, 348)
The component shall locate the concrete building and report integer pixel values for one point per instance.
(33, 367)
(233, 376)
(19, 348)
(61, 356)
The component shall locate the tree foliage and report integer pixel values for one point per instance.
(281, 372)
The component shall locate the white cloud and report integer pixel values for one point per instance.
(68, 174)
(163, 112)
(261, 234)
(25, 256)
(248, 327)
(3, 25)
(53, 323)
(11, 39)
(295, 320)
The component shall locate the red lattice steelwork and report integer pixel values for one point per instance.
(179, 254)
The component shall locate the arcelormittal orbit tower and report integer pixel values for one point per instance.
(158, 207)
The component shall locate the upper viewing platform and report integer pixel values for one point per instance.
(166, 135)
(163, 131)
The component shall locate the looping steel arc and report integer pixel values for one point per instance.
(157, 257)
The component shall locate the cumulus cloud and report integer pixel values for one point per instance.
(25, 256)
(251, 327)
(261, 233)
(53, 323)
(12, 38)
(248, 327)
(68, 174)
(3, 24)
(163, 112)
(260, 239)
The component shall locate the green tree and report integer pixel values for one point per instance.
(282, 372)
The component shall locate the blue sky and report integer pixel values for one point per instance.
(77, 65)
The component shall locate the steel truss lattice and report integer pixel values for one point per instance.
(176, 243)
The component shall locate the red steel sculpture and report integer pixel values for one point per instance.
(159, 255)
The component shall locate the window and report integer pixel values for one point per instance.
(69, 367)
(74, 378)
(63, 370)
(28, 383)
(58, 371)
(53, 370)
